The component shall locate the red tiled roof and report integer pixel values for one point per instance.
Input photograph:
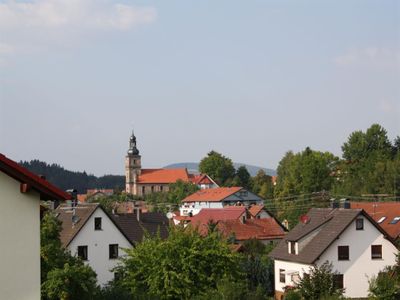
(166, 176)
(200, 179)
(104, 191)
(215, 215)
(212, 195)
(261, 229)
(378, 210)
(46, 189)
(255, 209)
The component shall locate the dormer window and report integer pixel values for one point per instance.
(293, 247)
(360, 224)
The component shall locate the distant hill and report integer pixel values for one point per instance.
(194, 167)
(65, 179)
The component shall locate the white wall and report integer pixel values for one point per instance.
(98, 242)
(360, 266)
(20, 241)
(288, 266)
(195, 207)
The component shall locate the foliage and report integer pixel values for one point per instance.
(319, 283)
(66, 179)
(176, 193)
(219, 167)
(183, 265)
(242, 178)
(262, 185)
(305, 172)
(370, 163)
(62, 276)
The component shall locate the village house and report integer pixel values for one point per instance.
(386, 214)
(98, 237)
(20, 195)
(141, 182)
(350, 239)
(218, 198)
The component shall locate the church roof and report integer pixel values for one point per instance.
(166, 176)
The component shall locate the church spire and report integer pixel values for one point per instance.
(132, 145)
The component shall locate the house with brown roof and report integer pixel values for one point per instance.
(350, 239)
(98, 237)
(218, 198)
(20, 195)
(141, 181)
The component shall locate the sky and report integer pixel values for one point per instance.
(249, 79)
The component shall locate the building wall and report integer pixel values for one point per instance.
(195, 207)
(288, 266)
(360, 266)
(20, 241)
(98, 242)
(151, 188)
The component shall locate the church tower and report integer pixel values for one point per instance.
(132, 167)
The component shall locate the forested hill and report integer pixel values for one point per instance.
(65, 179)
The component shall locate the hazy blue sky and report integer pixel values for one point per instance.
(251, 79)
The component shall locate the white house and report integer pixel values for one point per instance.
(20, 195)
(98, 238)
(350, 239)
(218, 198)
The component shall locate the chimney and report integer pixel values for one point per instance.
(74, 196)
(334, 203)
(345, 203)
(137, 213)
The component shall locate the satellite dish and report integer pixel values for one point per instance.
(75, 219)
(170, 215)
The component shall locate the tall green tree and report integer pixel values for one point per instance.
(182, 266)
(219, 167)
(242, 178)
(305, 172)
(62, 276)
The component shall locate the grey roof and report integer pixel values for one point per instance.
(330, 223)
(135, 230)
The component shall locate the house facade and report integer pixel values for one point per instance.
(141, 181)
(218, 198)
(20, 195)
(99, 238)
(350, 239)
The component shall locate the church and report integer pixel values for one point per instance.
(145, 181)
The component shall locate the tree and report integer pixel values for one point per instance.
(182, 266)
(319, 283)
(242, 178)
(262, 185)
(62, 276)
(219, 167)
(305, 172)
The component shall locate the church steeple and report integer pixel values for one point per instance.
(133, 166)
(132, 145)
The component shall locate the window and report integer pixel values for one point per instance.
(143, 190)
(113, 251)
(161, 188)
(152, 188)
(381, 220)
(343, 252)
(282, 277)
(395, 220)
(83, 252)
(243, 219)
(97, 223)
(360, 224)
(293, 247)
(338, 281)
(376, 252)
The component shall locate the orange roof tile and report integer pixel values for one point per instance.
(167, 176)
(212, 195)
(378, 210)
(255, 209)
(217, 214)
(261, 229)
(81, 198)
(200, 179)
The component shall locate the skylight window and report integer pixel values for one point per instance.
(381, 220)
(395, 220)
